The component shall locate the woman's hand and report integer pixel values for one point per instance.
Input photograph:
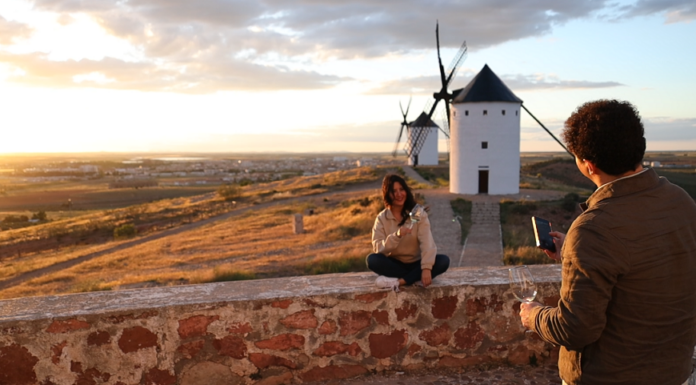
(426, 277)
(558, 239)
(403, 230)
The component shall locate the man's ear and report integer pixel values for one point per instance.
(591, 167)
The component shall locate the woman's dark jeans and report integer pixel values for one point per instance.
(410, 272)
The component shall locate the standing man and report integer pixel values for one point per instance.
(627, 313)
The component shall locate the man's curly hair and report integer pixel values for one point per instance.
(608, 133)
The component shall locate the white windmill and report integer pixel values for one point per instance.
(485, 137)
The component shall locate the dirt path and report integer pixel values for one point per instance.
(371, 187)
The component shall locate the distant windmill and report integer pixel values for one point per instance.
(421, 146)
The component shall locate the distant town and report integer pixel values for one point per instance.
(186, 171)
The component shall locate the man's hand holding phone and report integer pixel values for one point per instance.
(558, 239)
(547, 240)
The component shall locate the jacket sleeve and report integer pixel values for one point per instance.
(592, 262)
(382, 242)
(427, 243)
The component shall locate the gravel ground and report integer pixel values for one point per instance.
(504, 375)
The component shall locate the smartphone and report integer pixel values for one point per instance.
(542, 228)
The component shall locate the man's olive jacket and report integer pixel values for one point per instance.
(627, 313)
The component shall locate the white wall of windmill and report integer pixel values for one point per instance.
(500, 132)
(427, 156)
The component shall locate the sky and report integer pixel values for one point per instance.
(325, 75)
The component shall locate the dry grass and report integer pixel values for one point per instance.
(258, 244)
(12, 267)
(98, 226)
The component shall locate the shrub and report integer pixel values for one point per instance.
(15, 219)
(229, 192)
(525, 255)
(224, 275)
(347, 232)
(336, 265)
(570, 202)
(90, 285)
(125, 231)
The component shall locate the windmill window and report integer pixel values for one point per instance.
(466, 113)
(484, 145)
(515, 112)
(503, 112)
(485, 112)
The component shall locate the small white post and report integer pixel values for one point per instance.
(297, 224)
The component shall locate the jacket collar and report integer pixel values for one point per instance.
(623, 186)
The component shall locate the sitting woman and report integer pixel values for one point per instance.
(403, 255)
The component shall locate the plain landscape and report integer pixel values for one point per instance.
(85, 222)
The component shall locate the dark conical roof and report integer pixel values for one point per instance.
(423, 121)
(485, 87)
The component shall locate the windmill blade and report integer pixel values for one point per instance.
(443, 123)
(547, 130)
(439, 59)
(398, 139)
(408, 148)
(456, 62)
(447, 109)
(443, 94)
(421, 134)
(428, 105)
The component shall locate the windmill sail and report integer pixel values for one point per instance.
(420, 129)
(404, 124)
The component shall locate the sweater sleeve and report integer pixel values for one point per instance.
(382, 242)
(427, 243)
(591, 266)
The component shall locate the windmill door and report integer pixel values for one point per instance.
(483, 182)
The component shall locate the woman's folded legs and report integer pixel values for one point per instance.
(409, 272)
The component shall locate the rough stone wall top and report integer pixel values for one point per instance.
(33, 308)
(276, 331)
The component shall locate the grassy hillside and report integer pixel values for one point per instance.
(256, 244)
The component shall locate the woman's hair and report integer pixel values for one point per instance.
(388, 190)
(608, 133)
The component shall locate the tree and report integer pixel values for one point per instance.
(125, 231)
(229, 192)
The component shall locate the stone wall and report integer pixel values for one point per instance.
(275, 331)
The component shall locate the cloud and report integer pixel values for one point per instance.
(669, 129)
(541, 81)
(10, 31)
(195, 78)
(426, 85)
(210, 45)
(674, 10)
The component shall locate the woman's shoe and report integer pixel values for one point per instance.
(383, 282)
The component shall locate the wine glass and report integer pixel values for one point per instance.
(415, 215)
(522, 283)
